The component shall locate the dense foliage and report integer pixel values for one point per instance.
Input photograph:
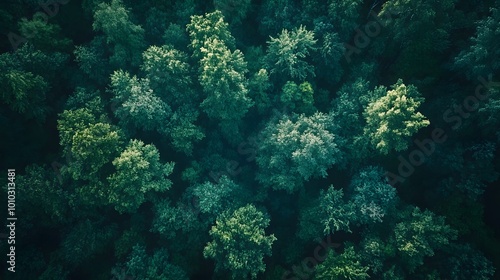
(252, 139)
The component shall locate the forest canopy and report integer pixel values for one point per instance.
(251, 139)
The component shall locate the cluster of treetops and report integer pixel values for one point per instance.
(182, 139)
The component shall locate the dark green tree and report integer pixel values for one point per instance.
(142, 266)
(329, 213)
(298, 98)
(123, 37)
(287, 55)
(84, 241)
(466, 262)
(136, 105)
(479, 59)
(420, 234)
(43, 35)
(296, 149)
(43, 190)
(233, 10)
(373, 196)
(213, 199)
(344, 16)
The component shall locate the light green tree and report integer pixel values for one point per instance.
(392, 119)
(208, 26)
(223, 80)
(345, 266)
(239, 242)
(89, 141)
(139, 172)
(169, 76)
(93, 147)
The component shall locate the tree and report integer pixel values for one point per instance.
(168, 71)
(296, 149)
(419, 32)
(475, 171)
(347, 111)
(213, 199)
(258, 87)
(234, 11)
(223, 81)
(345, 266)
(27, 77)
(276, 15)
(344, 16)
(170, 220)
(43, 35)
(331, 51)
(420, 234)
(480, 58)
(393, 118)
(288, 53)
(327, 214)
(136, 105)
(239, 243)
(373, 196)
(182, 131)
(25, 93)
(176, 36)
(210, 26)
(138, 173)
(91, 148)
(376, 252)
(125, 38)
(85, 240)
(466, 262)
(43, 191)
(89, 141)
(298, 98)
(142, 266)
(155, 25)
(93, 60)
